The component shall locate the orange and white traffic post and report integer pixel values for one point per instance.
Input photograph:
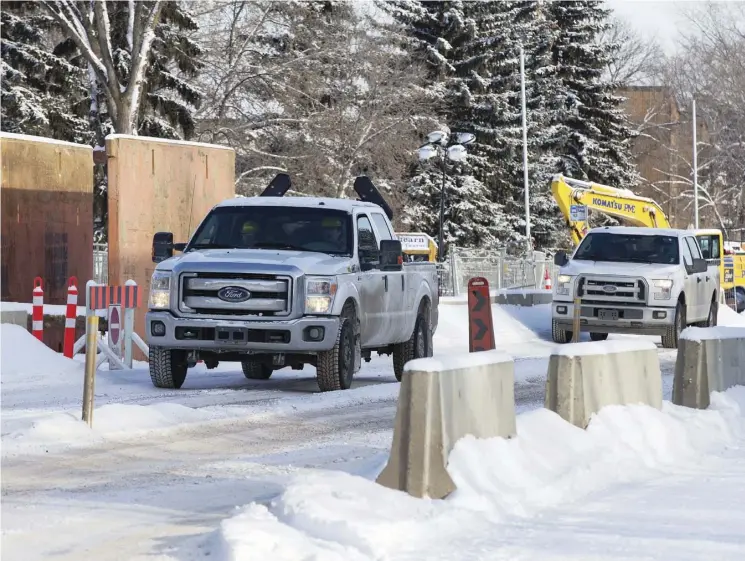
(547, 280)
(37, 312)
(71, 317)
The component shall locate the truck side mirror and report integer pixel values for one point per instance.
(391, 255)
(561, 258)
(162, 246)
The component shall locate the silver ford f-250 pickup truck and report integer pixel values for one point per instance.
(274, 281)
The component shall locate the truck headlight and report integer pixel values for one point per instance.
(564, 285)
(319, 294)
(663, 289)
(160, 290)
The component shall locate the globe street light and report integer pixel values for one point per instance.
(437, 145)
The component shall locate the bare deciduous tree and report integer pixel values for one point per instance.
(636, 60)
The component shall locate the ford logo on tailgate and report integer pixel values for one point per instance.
(233, 294)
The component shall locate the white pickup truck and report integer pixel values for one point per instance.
(646, 281)
(273, 281)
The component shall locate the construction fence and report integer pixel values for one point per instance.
(503, 271)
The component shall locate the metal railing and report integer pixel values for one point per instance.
(503, 271)
(101, 263)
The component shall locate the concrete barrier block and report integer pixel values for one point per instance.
(16, 317)
(440, 401)
(585, 377)
(709, 360)
(524, 298)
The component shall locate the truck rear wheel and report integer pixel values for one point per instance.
(167, 367)
(558, 334)
(335, 368)
(256, 370)
(418, 346)
(670, 338)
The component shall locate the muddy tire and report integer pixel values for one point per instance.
(256, 370)
(419, 345)
(167, 367)
(560, 335)
(335, 368)
(670, 339)
(711, 321)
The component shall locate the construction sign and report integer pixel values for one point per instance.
(480, 328)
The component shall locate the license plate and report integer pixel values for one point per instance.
(608, 314)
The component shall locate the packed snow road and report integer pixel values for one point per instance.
(162, 468)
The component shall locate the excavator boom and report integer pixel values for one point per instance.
(619, 203)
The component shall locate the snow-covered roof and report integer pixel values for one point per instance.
(44, 139)
(337, 204)
(167, 141)
(642, 231)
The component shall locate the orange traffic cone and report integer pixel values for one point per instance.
(547, 280)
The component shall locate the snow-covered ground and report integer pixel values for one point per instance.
(169, 472)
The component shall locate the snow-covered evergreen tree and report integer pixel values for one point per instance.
(43, 92)
(592, 138)
(440, 35)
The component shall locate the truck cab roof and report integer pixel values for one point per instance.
(635, 230)
(347, 205)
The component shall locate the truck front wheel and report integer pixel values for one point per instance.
(670, 339)
(418, 346)
(256, 370)
(335, 368)
(560, 335)
(167, 367)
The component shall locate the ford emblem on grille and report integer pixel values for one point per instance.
(609, 288)
(233, 294)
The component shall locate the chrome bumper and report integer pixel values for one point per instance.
(634, 320)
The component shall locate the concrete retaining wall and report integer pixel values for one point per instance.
(440, 401)
(584, 377)
(709, 360)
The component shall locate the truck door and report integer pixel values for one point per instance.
(698, 308)
(371, 284)
(397, 308)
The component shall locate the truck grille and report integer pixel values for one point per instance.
(269, 295)
(603, 290)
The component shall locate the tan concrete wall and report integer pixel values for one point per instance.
(709, 360)
(158, 185)
(47, 216)
(585, 377)
(440, 401)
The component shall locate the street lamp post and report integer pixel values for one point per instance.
(438, 145)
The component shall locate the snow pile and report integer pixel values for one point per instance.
(23, 354)
(550, 464)
(729, 317)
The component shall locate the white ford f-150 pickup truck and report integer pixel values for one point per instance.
(273, 281)
(646, 281)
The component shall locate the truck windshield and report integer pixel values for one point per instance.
(629, 248)
(275, 227)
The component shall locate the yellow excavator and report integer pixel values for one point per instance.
(575, 198)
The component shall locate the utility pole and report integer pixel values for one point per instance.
(525, 151)
(695, 168)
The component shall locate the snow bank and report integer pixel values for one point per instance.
(728, 316)
(719, 332)
(604, 347)
(550, 464)
(22, 354)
